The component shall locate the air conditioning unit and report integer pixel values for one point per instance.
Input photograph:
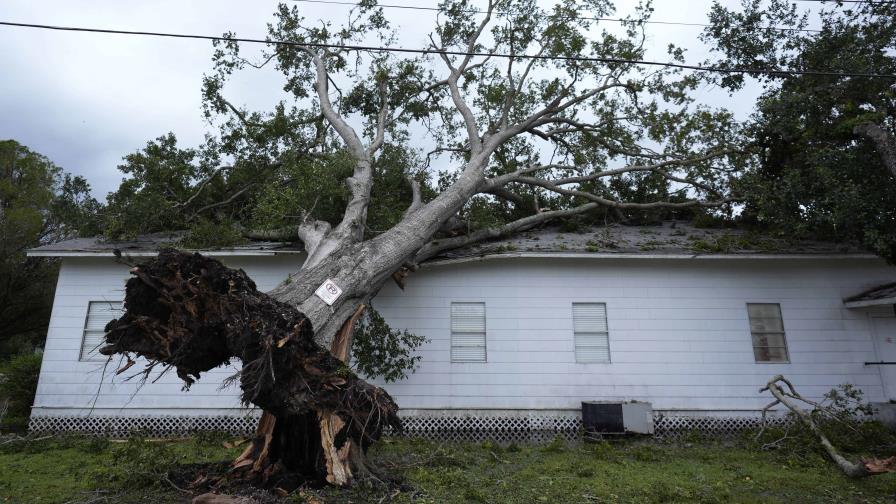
(602, 417)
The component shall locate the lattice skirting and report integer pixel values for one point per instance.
(527, 428)
(504, 429)
(678, 426)
(150, 426)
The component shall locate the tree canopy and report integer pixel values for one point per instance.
(572, 125)
(39, 204)
(818, 174)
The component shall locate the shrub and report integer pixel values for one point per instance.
(18, 383)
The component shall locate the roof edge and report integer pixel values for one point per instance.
(151, 253)
(623, 255)
(891, 300)
(478, 258)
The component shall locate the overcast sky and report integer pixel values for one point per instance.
(85, 100)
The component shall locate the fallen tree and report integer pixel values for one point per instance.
(791, 399)
(542, 114)
(192, 314)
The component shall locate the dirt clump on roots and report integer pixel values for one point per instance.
(191, 313)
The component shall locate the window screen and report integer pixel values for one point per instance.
(468, 332)
(592, 339)
(99, 313)
(767, 329)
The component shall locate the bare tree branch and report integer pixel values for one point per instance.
(456, 73)
(202, 186)
(416, 197)
(238, 113)
(225, 202)
(351, 228)
(549, 185)
(312, 232)
(321, 86)
(508, 195)
(437, 246)
(851, 469)
(380, 121)
(279, 234)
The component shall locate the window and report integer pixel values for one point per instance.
(99, 313)
(468, 332)
(592, 338)
(767, 329)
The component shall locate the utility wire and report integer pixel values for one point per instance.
(585, 59)
(587, 18)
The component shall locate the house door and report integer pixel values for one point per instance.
(885, 344)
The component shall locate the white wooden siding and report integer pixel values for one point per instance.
(679, 335)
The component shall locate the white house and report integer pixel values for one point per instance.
(693, 321)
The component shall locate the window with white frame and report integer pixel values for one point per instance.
(592, 339)
(468, 332)
(767, 330)
(99, 313)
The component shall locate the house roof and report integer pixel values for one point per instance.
(880, 295)
(149, 245)
(671, 239)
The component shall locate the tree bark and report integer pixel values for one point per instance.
(193, 314)
(340, 461)
(883, 142)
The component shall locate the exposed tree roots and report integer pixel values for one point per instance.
(192, 314)
(790, 398)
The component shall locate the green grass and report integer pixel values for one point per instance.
(55, 471)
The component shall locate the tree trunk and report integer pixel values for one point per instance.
(884, 143)
(194, 314)
(361, 269)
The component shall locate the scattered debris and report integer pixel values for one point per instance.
(865, 467)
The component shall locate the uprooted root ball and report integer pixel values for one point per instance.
(192, 314)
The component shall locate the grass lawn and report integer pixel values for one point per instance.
(85, 470)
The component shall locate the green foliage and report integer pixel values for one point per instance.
(39, 204)
(380, 351)
(288, 162)
(173, 189)
(210, 234)
(78, 469)
(18, 383)
(168, 188)
(815, 177)
(139, 463)
(844, 420)
(734, 242)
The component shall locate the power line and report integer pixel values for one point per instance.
(586, 18)
(584, 59)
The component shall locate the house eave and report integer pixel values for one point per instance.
(871, 302)
(152, 253)
(622, 255)
(486, 257)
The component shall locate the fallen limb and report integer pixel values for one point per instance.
(789, 398)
